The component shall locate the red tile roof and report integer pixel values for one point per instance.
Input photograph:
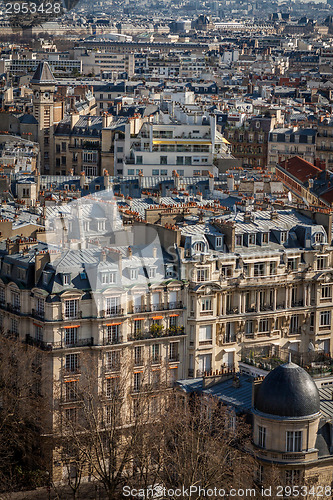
(301, 169)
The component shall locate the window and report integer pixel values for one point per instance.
(202, 274)
(2, 295)
(163, 160)
(239, 240)
(155, 353)
(71, 390)
(294, 441)
(137, 382)
(252, 239)
(113, 334)
(326, 292)
(71, 308)
(263, 325)
(39, 333)
(16, 303)
(112, 387)
(249, 327)
(205, 334)
(206, 304)
(294, 324)
(325, 318)
(112, 305)
(138, 160)
(164, 172)
(71, 336)
(21, 273)
(319, 237)
(261, 436)
(130, 171)
(155, 172)
(283, 237)
(293, 264)
(152, 272)
(173, 351)
(134, 274)
(72, 362)
(199, 246)
(71, 415)
(138, 355)
(293, 477)
(14, 326)
(265, 238)
(112, 360)
(259, 269)
(272, 268)
(137, 327)
(180, 160)
(204, 364)
(321, 262)
(40, 304)
(66, 279)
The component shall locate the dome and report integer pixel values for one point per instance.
(288, 391)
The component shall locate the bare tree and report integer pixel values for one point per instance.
(204, 445)
(110, 426)
(22, 414)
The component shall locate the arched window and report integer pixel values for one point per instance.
(199, 246)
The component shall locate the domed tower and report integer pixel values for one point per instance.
(286, 419)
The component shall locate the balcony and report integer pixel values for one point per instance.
(77, 315)
(115, 367)
(174, 357)
(156, 360)
(13, 308)
(138, 362)
(297, 303)
(153, 334)
(156, 307)
(113, 311)
(37, 314)
(113, 340)
(50, 346)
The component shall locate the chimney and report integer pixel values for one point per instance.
(129, 252)
(105, 120)
(231, 182)
(106, 178)
(103, 256)
(74, 120)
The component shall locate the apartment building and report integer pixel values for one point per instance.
(98, 62)
(324, 143)
(285, 143)
(105, 303)
(187, 144)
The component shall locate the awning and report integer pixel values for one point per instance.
(138, 319)
(294, 341)
(173, 315)
(37, 324)
(141, 371)
(173, 367)
(157, 317)
(74, 380)
(112, 324)
(71, 326)
(229, 349)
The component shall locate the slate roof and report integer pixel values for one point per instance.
(43, 74)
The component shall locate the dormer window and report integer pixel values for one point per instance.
(66, 279)
(283, 237)
(239, 240)
(265, 238)
(152, 272)
(218, 241)
(319, 237)
(134, 274)
(108, 277)
(252, 239)
(101, 225)
(86, 225)
(21, 274)
(199, 246)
